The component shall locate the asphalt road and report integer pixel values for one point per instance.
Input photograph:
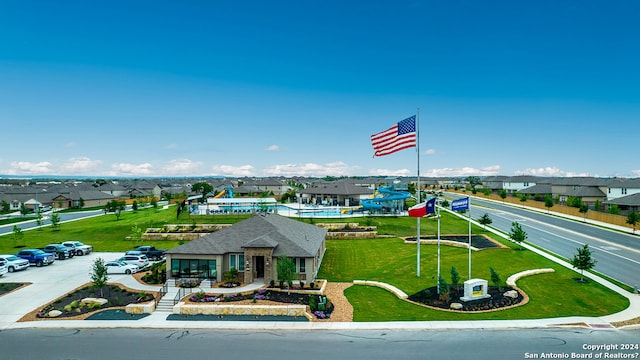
(617, 254)
(98, 344)
(46, 220)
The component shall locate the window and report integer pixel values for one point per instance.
(236, 261)
(302, 265)
(624, 191)
(198, 268)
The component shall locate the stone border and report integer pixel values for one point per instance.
(257, 310)
(397, 292)
(511, 281)
(142, 308)
(455, 243)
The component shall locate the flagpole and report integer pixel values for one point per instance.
(438, 281)
(418, 192)
(469, 210)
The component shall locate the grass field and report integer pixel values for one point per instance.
(386, 259)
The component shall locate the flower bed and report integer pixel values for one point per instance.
(266, 295)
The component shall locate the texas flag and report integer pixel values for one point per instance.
(423, 209)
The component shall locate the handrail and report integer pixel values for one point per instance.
(162, 292)
(182, 292)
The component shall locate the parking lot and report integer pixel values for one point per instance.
(52, 281)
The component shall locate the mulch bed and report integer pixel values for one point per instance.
(116, 296)
(497, 300)
(6, 288)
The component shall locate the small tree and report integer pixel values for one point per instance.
(584, 209)
(55, 221)
(115, 206)
(17, 235)
(134, 205)
(286, 269)
(632, 219)
(5, 207)
(154, 202)
(548, 202)
(24, 210)
(583, 261)
(503, 194)
(455, 277)
(495, 278)
(523, 199)
(485, 220)
(614, 209)
(136, 234)
(443, 289)
(99, 275)
(39, 220)
(517, 234)
(202, 188)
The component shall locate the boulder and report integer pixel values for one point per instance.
(100, 301)
(54, 313)
(455, 306)
(511, 294)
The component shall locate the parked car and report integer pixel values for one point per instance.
(78, 247)
(60, 251)
(14, 263)
(3, 267)
(121, 267)
(151, 252)
(36, 257)
(140, 261)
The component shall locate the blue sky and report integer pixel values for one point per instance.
(296, 88)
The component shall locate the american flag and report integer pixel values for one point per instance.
(398, 137)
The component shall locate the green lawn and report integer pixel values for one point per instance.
(384, 259)
(392, 261)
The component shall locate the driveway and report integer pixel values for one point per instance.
(51, 282)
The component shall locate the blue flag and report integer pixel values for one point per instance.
(460, 204)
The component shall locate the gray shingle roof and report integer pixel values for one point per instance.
(629, 200)
(287, 236)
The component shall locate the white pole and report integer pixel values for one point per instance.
(418, 192)
(438, 280)
(469, 210)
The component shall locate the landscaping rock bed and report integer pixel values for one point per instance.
(88, 299)
(499, 299)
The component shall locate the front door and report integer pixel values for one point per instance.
(259, 266)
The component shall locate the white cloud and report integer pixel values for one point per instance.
(337, 168)
(131, 169)
(184, 167)
(25, 167)
(388, 172)
(273, 148)
(79, 166)
(464, 171)
(430, 152)
(635, 172)
(549, 171)
(230, 170)
(70, 144)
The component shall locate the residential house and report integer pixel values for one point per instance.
(252, 247)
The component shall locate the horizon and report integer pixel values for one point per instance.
(215, 89)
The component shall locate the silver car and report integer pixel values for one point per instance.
(15, 263)
(140, 261)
